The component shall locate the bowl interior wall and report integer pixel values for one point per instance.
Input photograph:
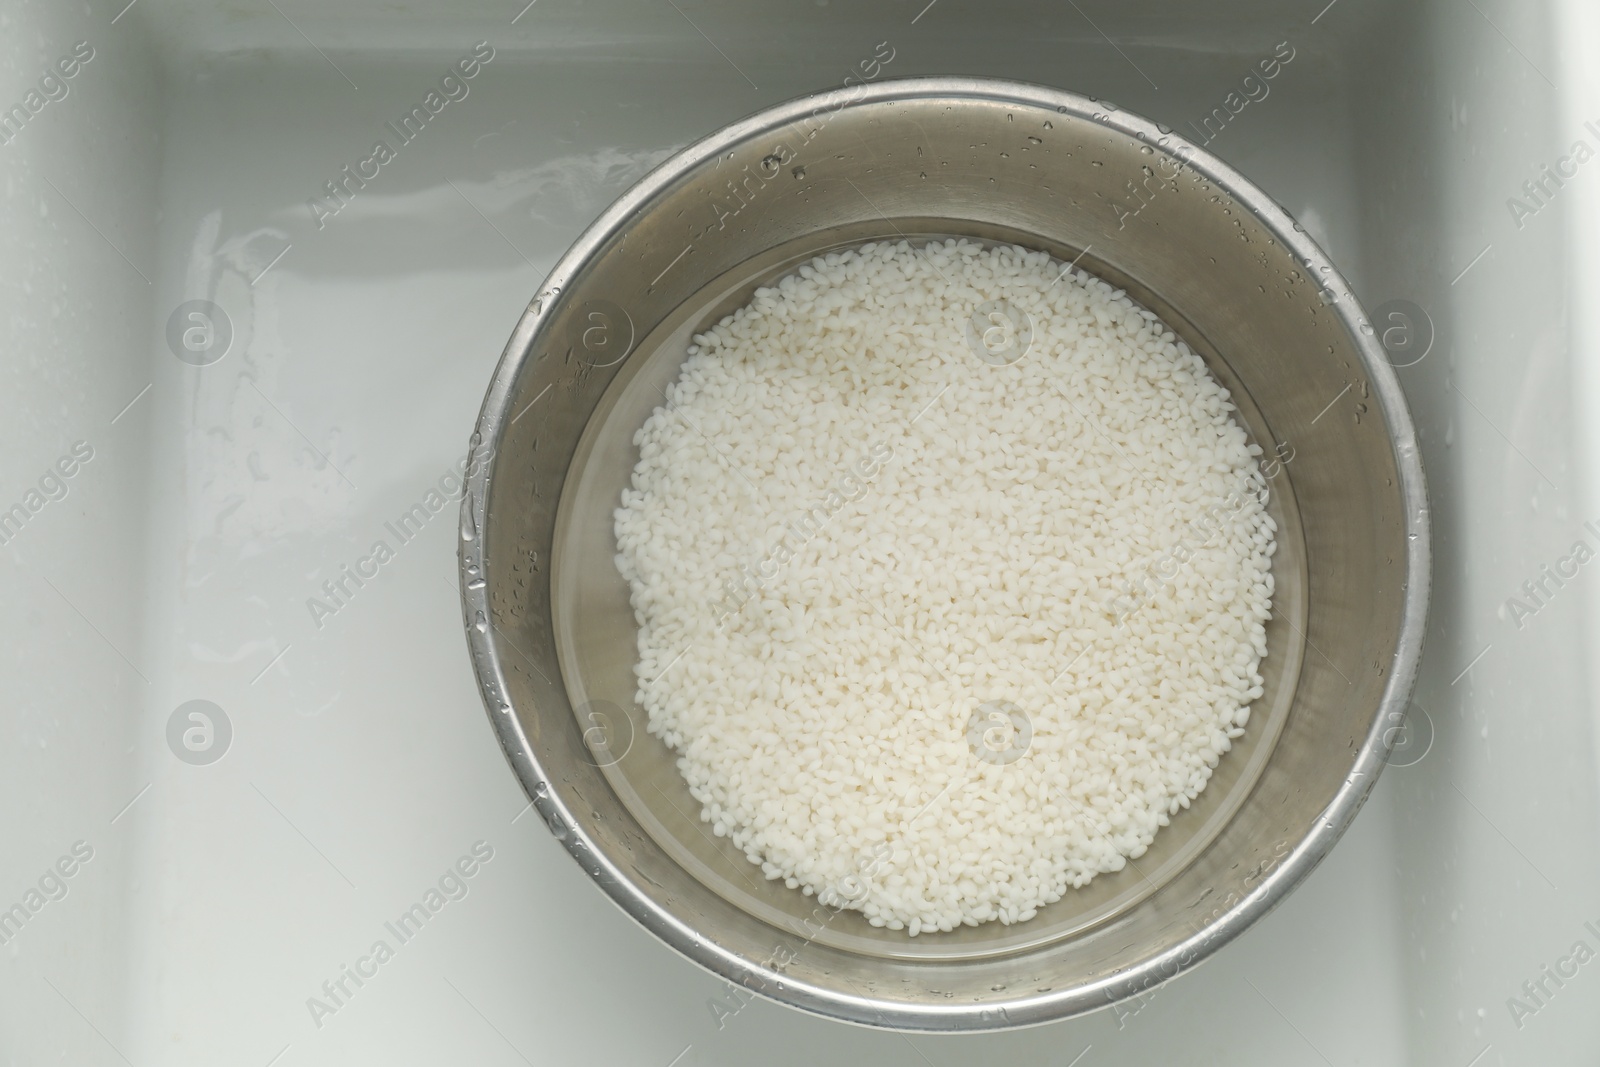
(597, 638)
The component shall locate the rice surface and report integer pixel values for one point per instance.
(940, 630)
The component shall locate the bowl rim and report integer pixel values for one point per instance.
(951, 1016)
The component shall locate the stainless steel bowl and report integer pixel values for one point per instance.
(553, 639)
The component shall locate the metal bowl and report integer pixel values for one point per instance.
(553, 639)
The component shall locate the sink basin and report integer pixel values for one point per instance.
(257, 815)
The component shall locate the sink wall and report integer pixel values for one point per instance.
(77, 247)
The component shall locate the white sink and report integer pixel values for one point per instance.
(187, 558)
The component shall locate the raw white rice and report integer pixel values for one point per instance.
(866, 564)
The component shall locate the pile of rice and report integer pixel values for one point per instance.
(938, 637)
